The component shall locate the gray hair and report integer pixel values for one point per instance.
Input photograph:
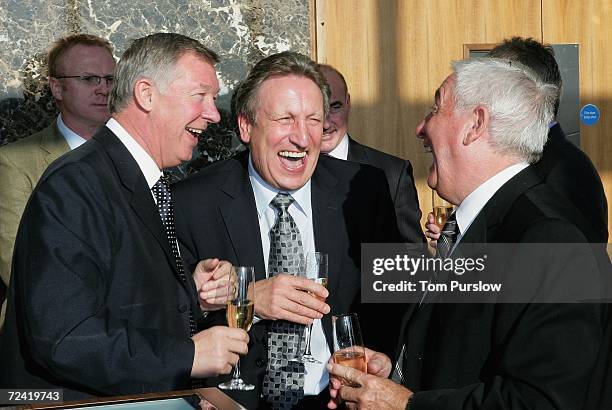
(277, 65)
(519, 103)
(153, 57)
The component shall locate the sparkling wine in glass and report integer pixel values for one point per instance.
(348, 344)
(240, 310)
(441, 209)
(315, 270)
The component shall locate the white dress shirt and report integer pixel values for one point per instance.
(341, 150)
(316, 378)
(147, 165)
(73, 139)
(471, 206)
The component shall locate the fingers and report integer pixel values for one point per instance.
(347, 374)
(217, 350)
(286, 297)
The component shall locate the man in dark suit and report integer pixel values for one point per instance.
(99, 303)
(493, 355)
(80, 77)
(338, 144)
(563, 166)
(228, 211)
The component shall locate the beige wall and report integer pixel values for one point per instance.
(395, 53)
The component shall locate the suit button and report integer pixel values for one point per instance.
(182, 308)
(419, 356)
(259, 362)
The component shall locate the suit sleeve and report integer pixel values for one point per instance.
(69, 237)
(407, 207)
(15, 189)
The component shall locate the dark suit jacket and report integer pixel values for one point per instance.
(493, 356)
(95, 305)
(570, 172)
(401, 186)
(217, 217)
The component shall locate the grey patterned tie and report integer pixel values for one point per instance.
(165, 206)
(448, 236)
(283, 384)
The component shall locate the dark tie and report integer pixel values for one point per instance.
(448, 236)
(283, 384)
(165, 205)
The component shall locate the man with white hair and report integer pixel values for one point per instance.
(489, 121)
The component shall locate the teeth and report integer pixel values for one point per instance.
(292, 154)
(194, 130)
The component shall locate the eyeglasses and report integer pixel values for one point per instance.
(92, 80)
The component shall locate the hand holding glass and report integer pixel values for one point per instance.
(348, 344)
(240, 310)
(314, 268)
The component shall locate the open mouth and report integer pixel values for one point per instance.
(196, 132)
(293, 160)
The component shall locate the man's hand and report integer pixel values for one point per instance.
(217, 350)
(379, 365)
(433, 230)
(286, 297)
(211, 277)
(373, 391)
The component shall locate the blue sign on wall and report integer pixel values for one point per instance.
(589, 114)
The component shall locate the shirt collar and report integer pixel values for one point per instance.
(149, 168)
(478, 198)
(73, 139)
(265, 193)
(341, 150)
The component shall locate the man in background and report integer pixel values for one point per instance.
(338, 144)
(99, 302)
(563, 166)
(80, 77)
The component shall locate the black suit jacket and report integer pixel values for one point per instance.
(493, 356)
(217, 217)
(401, 186)
(96, 306)
(570, 172)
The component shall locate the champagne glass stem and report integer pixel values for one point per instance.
(236, 373)
(307, 352)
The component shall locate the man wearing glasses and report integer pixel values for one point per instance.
(80, 77)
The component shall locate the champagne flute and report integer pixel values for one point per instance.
(239, 312)
(441, 209)
(348, 344)
(316, 270)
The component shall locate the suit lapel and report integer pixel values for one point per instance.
(239, 214)
(133, 180)
(356, 152)
(327, 218)
(53, 144)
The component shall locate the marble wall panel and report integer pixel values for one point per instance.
(241, 31)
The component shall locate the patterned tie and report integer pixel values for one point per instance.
(448, 236)
(283, 384)
(162, 192)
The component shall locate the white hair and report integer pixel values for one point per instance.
(520, 105)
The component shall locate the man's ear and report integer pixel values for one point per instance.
(144, 90)
(245, 126)
(56, 88)
(479, 124)
(348, 102)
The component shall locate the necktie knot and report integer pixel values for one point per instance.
(161, 189)
(282, 201)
